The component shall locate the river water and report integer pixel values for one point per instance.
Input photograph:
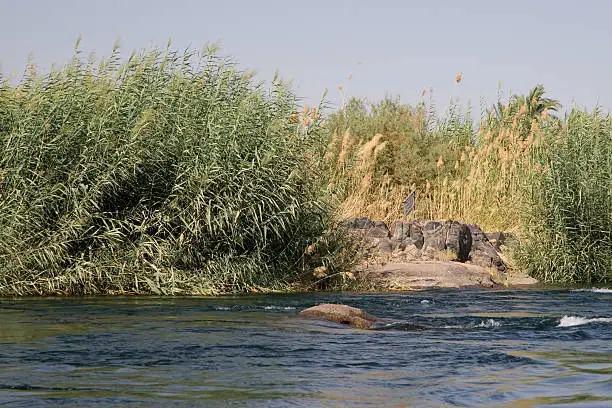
(492, 348)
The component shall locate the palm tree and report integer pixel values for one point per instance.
(535, 105)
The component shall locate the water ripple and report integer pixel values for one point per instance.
(460, 348)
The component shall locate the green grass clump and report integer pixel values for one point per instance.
(569, 213)
(167, 173)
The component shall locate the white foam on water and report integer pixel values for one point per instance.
(424, 301)
(569, 321)
(489, 323)
(279, 308)
(595, 290)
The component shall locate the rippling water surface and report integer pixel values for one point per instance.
(503, 348)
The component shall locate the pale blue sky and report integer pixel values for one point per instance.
(399, 47)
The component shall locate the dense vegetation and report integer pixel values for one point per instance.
(547, 179)
(568, 224)
(176, 173)
(167, 173)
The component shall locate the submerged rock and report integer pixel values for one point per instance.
(342, 314)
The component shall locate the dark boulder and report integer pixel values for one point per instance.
(416, 235)
(374, 235)
(400, 233)
(377, 237)
(497, 239)
(404, 234)
(483, 252)
(501, 240)
(434, 235)
(378, 230)
(459, 240)
(358, 223)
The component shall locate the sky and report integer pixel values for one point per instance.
(385, 47)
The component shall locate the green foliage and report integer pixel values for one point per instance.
(528, 108)
(169, 173)
(413, 138)
(569, 223)
(560, 169)
(175, 173)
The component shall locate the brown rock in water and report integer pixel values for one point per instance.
(342, 314)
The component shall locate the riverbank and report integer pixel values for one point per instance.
(176, 173)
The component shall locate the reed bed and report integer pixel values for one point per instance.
(378, 153)
(524, 170)
(175, 173)
(168, 173)
(568, 222)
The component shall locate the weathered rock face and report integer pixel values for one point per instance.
(459, 240)
(374, 234)
(423, 240)
(449, 235)
(499, 239)
(404, 234)
(359, 223)
(483, 252)
(434, 234)
(342, 314)
(400, 233)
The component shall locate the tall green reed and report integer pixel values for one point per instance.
(569, 207)
(171, 172)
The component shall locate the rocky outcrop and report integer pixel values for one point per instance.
(459, 240)
(420, 240)
(404, 234)
(422, 254)
(342, 314)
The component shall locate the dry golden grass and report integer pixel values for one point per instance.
(479, 183)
